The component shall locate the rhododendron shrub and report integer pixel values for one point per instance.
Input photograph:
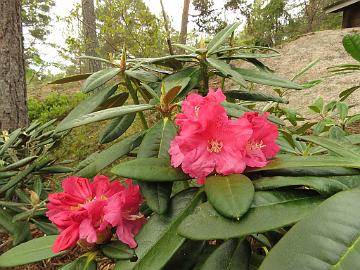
(225, 178)
(87, 211)
(209, 141)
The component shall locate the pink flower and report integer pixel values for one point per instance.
(122, 212)
(208, 140)
(79, 211)
(262, 144)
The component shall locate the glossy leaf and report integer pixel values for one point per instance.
(266, 78)
(156, 143)
(150, 169)
(99, 78)
(87, 106)
(326, 186)
(103, 115)
(108, 156)
(115, 101)
(230, 195)
(82, 263)
(117, 250)
(328, 238)
(227, 71)
(220, 37)
(12, 138)
(117, 128)
(141, 75)
(73, 78)
(252, 96)
(158, 240)
(32, 251)
(269, 211)
(346, 93)
(352, 45)
(234, 254)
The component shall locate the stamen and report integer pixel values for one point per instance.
(256, 145)
(215, 146)
(196, 109)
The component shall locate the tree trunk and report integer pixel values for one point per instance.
(166, 24)
(13, 107)
(89, 32)
(184, 21)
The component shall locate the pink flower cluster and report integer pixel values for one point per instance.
(87, 211)
(209, 141)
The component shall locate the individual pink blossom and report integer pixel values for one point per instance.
(122, 212)
(79, 211)
(208, 140)
(262, 144)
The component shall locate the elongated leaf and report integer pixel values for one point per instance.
(227, 70)
(18, 164)
(117, 128)
(266, 78)
(73, 78)
(117, 250)
(352, 45)
(96, 58)
(230, 195)
(150, 169)
(305, 69)
(99, 78)
(248, 56)
(151, 91)
(346, 93)
(13, 136)
(252, 96)
(158, 240)
(328, 238)
(32, 251)
(47, 228)
(108, 156)
(269, 211)
(185, 47)
(289, 161)
(82, 263)
(233, 254)
(326, 186)
(156, 143)
(220, 37)
(341, 148)
(115, 101)
(142, 75)
(312, 171)
(20, 231)
(103, 115)
(87, 106)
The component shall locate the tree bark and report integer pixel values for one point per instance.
(89, 33)
(184, 21)
(13, 104)
(166, 23)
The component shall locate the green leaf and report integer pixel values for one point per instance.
(32, 251)
(18, 164)
(248, 56)
(252, 96)
(305, 69)
(115, 101)
(73, 78)
(82, 263)
(220, 37)
(353, 119)
(156, 143)
(99, 78)
(266, 78)
(352, 45)
(346, 93)
(117, 250)
(19, 230)
(342, 109)
(87, 106)
(328, 238)
(117, 128)
(234, 254)
(290, 161)
(108, 156)
(150, 169)
(341, 148)
(326, 186)
(142, 75)
(103, 115)
(269, 211)
(312, 171)
(230, 195)
(13, 136)
(185, 47)
(227, 71)
(158, 240)
(45, 227)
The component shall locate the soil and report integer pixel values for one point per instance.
(295, 55)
